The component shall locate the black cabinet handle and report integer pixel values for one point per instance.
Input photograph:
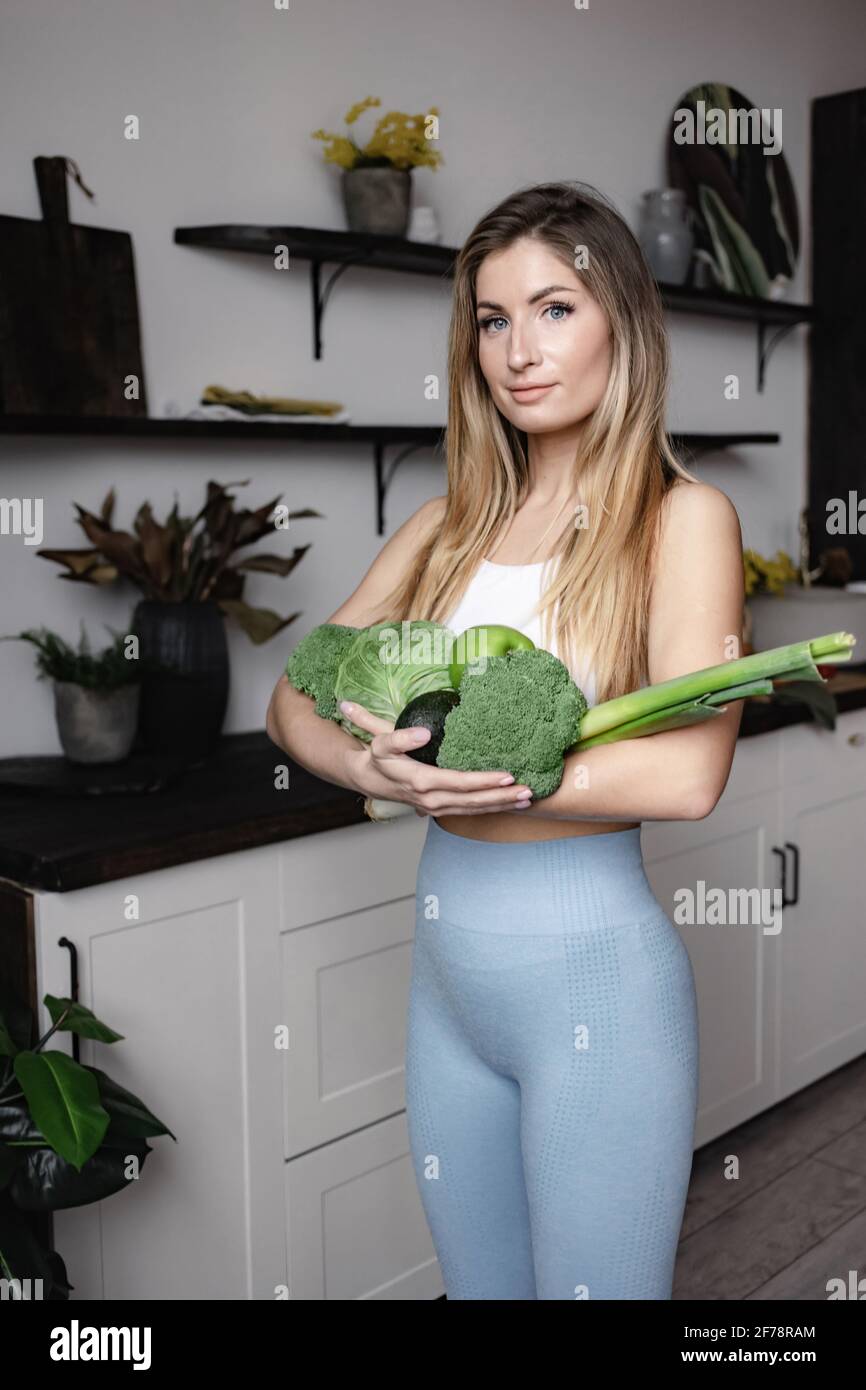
(795, 850)
(786, 901)
(784, 885)
(73, 983)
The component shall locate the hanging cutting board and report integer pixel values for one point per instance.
(69, 332)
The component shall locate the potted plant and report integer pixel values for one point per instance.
(69, 1135)
(182, 567)
(95, 697)
(376, 179)
(763, 576)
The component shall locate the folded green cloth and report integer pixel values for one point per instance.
(249, 404)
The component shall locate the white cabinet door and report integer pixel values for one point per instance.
(736, 964)
(346, 994)
(356, 1226)
(823, 982)
(347, 921)
(192, 982)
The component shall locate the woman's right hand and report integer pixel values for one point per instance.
(382, 768)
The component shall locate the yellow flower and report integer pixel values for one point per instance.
(398, 138)
(355, 111)
(340, 150)
(768, 576)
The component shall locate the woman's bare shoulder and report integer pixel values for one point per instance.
(695, 503)
(433, 511)
(699, 529)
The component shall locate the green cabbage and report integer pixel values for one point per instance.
(388, 664)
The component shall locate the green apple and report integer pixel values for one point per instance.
(473, 646)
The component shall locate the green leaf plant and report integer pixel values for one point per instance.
(69, 1134)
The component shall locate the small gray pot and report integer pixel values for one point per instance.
(96, 726)
(377, 200)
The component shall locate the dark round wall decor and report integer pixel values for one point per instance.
(726, 155)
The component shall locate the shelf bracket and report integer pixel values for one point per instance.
(385, 477)
(320, 297)
(766, 347)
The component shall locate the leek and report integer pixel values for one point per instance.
(702, 694)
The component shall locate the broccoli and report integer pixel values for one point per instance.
(312, 664)
(521, 713)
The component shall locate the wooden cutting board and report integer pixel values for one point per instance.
(69, 330)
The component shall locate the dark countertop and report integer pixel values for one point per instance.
(59, 842)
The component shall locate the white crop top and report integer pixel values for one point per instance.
(507, 594)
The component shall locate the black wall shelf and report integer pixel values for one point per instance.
(765, 313)
(407, 438)
(322, 246)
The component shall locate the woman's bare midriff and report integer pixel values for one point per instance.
(517, 826)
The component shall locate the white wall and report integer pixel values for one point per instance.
(227, 92)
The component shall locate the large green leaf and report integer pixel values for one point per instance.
(79, 1020)
(741, 263)
(128, 1114)
(64, 1102)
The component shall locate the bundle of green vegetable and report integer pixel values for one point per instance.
(492, 700)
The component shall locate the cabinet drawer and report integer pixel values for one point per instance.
(836, 755)
(356, 1226)
(345, 992)
(357, 866)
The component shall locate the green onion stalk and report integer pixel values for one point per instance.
(703, 694)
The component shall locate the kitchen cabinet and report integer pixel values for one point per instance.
(355, 1227)
(262, 996)
(822, 984)
(185, 964)
(777, 1008)
(735, 967)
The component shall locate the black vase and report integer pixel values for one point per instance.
(183, 706)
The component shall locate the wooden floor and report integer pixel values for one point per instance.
(796, 1215)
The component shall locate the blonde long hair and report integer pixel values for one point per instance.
(598, 599)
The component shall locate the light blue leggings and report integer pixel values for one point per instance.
(551, 1068)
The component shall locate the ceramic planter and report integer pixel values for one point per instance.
(377, 200)
(96, 726)
(182, 706)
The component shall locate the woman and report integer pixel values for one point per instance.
(552, 1055)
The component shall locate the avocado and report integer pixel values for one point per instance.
(428, 711)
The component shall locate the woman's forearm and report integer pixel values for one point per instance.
(677, 775)
(318, 745)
